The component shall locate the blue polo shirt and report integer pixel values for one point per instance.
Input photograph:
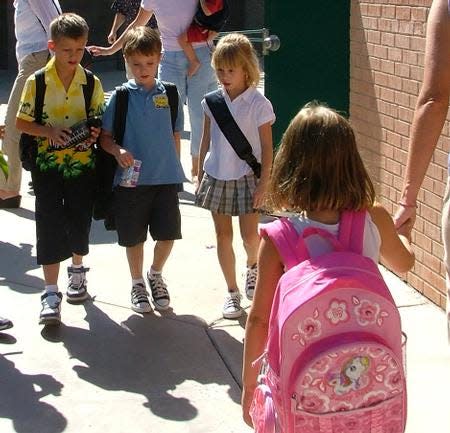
(148, 134)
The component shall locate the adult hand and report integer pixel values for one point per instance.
(404, 220)
(112, 37)
(100, 51)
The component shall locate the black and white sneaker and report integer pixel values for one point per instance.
(51, 308)
(5, 324)
(160, 294)
(77, 287)
(250, 281)
(139, 299)
(232, 306)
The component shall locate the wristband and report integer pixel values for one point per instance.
(405, 205)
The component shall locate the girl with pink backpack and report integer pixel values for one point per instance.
(323, 324)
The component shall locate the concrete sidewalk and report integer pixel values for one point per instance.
(110, 369)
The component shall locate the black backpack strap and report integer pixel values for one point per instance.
(40, 95)
(231, 131)
(88, 90)
(172, 96)
(120, 114)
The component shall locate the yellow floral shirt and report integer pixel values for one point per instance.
(62, 108)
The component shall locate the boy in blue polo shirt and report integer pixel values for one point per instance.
(152, 204)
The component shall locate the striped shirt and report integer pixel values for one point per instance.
(32, 20)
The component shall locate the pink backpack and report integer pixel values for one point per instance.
(333, 361)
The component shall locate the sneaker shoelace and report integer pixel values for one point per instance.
(252, 274)
(159, 288)
(139, 293)
(77, 277)
(232, 302)
(51, 301)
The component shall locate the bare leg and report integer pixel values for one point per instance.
(248, 225)
(161, 253)
(51, 273)
(135, 256)
(225, 253)
(194, 63)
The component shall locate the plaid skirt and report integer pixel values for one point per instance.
(229, 197)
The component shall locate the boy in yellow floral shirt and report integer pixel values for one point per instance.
(63, 177)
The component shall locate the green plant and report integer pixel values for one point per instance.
(3, 165)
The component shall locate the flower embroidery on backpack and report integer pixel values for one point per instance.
(368, 313)
(337, 312)
(308, 329)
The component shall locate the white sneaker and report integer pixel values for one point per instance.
(77, 287)
(232, 306)
(139, 299)
(250, 281)
(51, 308)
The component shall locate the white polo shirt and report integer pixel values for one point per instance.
(174, 17)
(32, 20)
(250, 110)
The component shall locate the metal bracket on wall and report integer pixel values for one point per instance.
(260, 36)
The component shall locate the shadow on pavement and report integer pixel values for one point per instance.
(22, 213)
(147, 355)
(19, 400)
(15, 262)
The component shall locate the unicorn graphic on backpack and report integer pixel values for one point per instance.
(333, 361)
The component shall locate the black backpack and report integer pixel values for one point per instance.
(214, 22)
(28, 148)
(106, 164)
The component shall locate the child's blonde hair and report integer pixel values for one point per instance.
(318, 166)
(68, 25)
(234, 50)
(142, 40)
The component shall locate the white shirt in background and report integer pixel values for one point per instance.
(250, 110)
(32, 20)
(174, 17)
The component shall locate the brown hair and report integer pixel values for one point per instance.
(68, 25)
(142, 40)
(318, 166)
(235, 49)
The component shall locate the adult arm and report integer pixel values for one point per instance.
(141, 19)
(430, 112)
(46, 11)
(118, 20)
(395, 247)
(270, 269)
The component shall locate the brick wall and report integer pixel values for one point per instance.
(386, 71)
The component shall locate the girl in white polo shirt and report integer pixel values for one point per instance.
(227, 185)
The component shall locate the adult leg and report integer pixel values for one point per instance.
(11, 187)
(446, 240)
(227, 260)
(198, 85)
(173, 68)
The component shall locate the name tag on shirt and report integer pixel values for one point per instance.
(161, 101)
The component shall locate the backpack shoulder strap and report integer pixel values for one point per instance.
(291, 248)
(172, 96)
(120, 113)
(230, 129)
(88, 90)
(351, 230)
(40, 95)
